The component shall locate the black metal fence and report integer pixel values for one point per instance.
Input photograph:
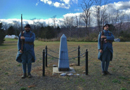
(79, 55)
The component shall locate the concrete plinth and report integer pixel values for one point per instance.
(56, 70)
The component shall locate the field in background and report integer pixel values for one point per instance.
(11, 71)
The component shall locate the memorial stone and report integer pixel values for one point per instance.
(63, 63)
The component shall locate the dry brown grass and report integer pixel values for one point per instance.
(11, 71)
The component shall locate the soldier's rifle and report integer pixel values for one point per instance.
(102, 40)
(22, 41)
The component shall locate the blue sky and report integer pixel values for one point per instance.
(10, 9)
(39, 9)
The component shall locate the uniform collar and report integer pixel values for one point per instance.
(27, 32)
(106, 30)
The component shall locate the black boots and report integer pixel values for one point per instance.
(103, 73)
(24, 76)
(29, 75)
(106, 73)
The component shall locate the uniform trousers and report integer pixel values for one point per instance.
(26, 62)
(106, 55)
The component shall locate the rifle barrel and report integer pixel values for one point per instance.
(21, 23)
(21, 32)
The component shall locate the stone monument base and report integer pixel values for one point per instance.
(56, 70)
(64, 69)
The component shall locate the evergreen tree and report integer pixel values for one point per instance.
(58, 29)
(10, 31)
(50, 32)
(2, 34)
(47, 32)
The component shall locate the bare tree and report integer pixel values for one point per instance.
(128, 19)
(114, 18)
(54, 21)
(76, 24)
(101, 13)
(69, 23)
(16, 24)
(86, 5)
(120, 23)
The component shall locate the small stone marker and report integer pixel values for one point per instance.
(70, 74)
(63, 74)
(77, 74)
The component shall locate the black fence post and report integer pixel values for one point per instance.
(46, 55)
(86, 62)
(43, 68)
(78, 55)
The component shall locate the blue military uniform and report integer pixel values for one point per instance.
(107, 54)
(28, 55)
(27, 48)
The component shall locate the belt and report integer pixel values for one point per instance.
(108, 41)
(30, 43)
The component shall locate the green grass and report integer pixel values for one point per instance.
(11, 71)
(23, 88)
(19, 65)
(123, 89)
(123, 78)
(116, 81)
(6, 73)
(10, 39)
(129, 82)
(9, 43)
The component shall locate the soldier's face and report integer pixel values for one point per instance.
(106, 27)
(27, 29)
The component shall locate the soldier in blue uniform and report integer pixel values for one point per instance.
(105, 49)
(26, 53)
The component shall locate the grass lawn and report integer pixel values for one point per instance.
(11, 71)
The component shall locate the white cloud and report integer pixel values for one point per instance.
(60, 4)
(57, 4)
(123, 7)
(49, 2)
(45, 1)
(66, 1)
(71, 14)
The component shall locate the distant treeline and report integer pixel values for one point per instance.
(2, 34)
(48, 33)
